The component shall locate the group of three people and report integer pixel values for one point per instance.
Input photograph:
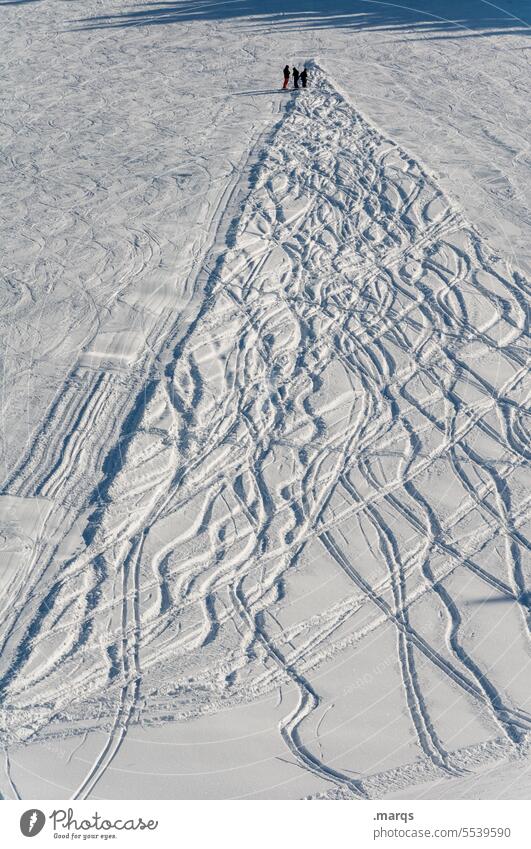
(302, 76)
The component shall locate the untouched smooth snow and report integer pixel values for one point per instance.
(264, 518)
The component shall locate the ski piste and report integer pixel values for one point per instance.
(272, 488)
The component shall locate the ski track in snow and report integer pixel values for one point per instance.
(332, 398)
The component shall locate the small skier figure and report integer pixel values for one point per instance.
(296, 76)
(286, 77)
(304, 77)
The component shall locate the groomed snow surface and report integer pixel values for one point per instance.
(265, 511)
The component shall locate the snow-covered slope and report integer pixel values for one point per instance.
(264, 511)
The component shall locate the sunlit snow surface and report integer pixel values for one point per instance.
(268, 534)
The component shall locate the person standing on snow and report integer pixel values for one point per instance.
(286, 76)
(296, 76)
(304, 77)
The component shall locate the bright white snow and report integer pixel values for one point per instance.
(264, 517)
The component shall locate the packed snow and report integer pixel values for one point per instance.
(264, 518)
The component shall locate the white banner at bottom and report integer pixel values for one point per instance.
(261, 824)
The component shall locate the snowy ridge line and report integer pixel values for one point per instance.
(344, 408)
(70, 402)
(131, 689)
